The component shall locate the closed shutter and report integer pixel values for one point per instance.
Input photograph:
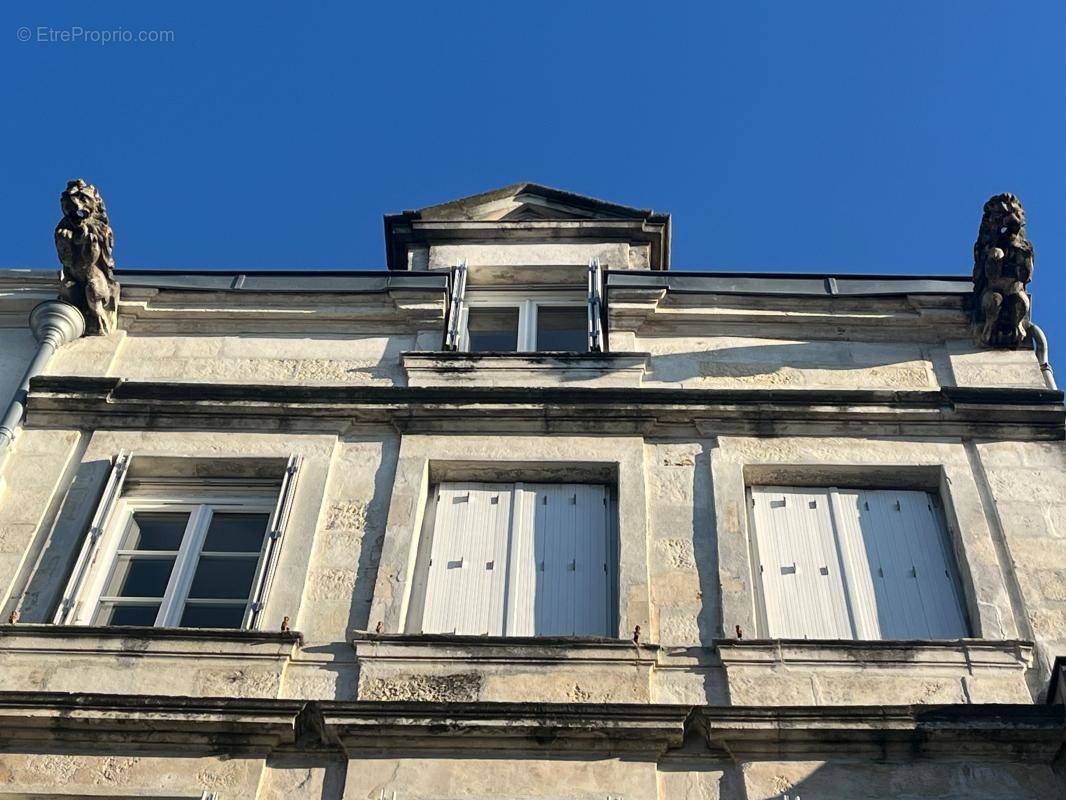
(466, 574)
(798, 565)
(519, 560)
(882, 567)
(564, 528)
(899, 564)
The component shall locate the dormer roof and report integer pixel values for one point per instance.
(526, 212)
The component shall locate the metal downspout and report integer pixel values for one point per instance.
(1041, 348)
(54, 323)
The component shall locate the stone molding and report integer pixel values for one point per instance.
(1028, 733)
(1013, 654)
(142, 636)
(378, 312)
(1018, 414)
(447, 368)
(510, 649)
(21, 290)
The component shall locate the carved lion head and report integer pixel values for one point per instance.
(1003, 217)
(81, 202)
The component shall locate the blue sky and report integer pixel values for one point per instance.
(829, 137)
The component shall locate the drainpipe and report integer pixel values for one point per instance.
(54, 323)
(1040, 346)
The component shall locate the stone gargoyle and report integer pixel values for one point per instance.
(84, 242)
(1002, 267)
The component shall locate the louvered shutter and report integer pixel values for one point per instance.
(467, 570)
(456, 301)
(800, 572)
(278, 522)
(90, 545)
(597, 343)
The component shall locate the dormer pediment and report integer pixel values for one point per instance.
(527, 225)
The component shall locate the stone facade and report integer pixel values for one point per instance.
(711, 384)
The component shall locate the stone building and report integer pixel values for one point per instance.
(528, 514)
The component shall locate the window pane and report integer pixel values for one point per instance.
(127, 615)
(213, 616)
(492, 329)
(155, 531)
(562, 328)
(224, 578)
(139, 576)
(236, 533)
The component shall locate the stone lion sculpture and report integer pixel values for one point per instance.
(84, 242)
(1002, 266)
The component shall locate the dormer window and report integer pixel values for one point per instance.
(512, 322)
(490, 319)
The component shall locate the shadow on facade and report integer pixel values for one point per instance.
(783, 365)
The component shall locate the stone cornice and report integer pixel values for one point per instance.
(21, 290)
(404, 230)
(1015, 732)
(1021, 414)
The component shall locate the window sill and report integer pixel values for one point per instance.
(1011, 654)
(131, 637)
(524, 369)
(443, 648)
(143, 660)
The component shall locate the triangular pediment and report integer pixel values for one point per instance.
(528, 201)
(526, 214)
(531, 211)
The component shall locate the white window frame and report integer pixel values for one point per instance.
(201, 507)
(527, 303)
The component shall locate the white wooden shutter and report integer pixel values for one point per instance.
(560, 561)
(454, 315)
(467, 571)
(278, 521)
(798, 566)
(884, 553)
(525, 576)
(900, 569)
(520, 560)
(90, 545)
(595, 308)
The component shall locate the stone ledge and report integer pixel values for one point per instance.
(1021, 414)
(1018, 732)
(1011, 654)
(90, 640)
(439, 648)
(399, 667)
(524, 369)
